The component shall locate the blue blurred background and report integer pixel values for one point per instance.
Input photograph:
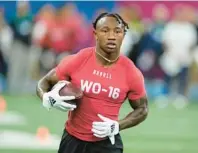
(83, 7)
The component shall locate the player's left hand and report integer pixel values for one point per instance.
(107, 128)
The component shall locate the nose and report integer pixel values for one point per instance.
(111, 36)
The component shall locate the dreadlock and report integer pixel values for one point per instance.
(115, 15)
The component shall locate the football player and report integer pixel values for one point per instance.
(107, 80)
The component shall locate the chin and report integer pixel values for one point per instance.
(108, 50)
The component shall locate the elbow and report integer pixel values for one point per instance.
(145, 113)
(40, 88)
(37, 90)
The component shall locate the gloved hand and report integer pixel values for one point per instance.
(53, 99)
(107, 128)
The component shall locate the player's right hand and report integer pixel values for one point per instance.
(53, 99)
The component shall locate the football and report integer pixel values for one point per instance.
(71, 90)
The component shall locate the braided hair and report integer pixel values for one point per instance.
(115, 15)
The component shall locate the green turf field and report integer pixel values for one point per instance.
(165, 131)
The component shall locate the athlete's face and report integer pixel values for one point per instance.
(109, 34)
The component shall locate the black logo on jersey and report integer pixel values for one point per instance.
(52, 101)
(112, 127)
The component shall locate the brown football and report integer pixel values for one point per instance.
(71, 90)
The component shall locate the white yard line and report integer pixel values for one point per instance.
(24, 140)
(12, 118)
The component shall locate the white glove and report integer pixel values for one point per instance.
(53, 99)
(107, 128)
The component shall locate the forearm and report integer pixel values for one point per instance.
(133, 118)
(140, 107)
(44, 85)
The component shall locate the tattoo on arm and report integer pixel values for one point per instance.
(142, 102)
(139, 114)
(46, 83)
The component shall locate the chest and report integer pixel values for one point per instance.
(104, 84)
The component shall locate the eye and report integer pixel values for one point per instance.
(118, 31)
(104, 30)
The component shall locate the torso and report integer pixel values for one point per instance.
(105, 90)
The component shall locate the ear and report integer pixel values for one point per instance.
(95, 34)
(125, 31)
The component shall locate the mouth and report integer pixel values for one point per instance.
(111, 45)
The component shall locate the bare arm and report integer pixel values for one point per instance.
(139, 114)
(50, 79)
(46, 83)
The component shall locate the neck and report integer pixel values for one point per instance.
(105, 58)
